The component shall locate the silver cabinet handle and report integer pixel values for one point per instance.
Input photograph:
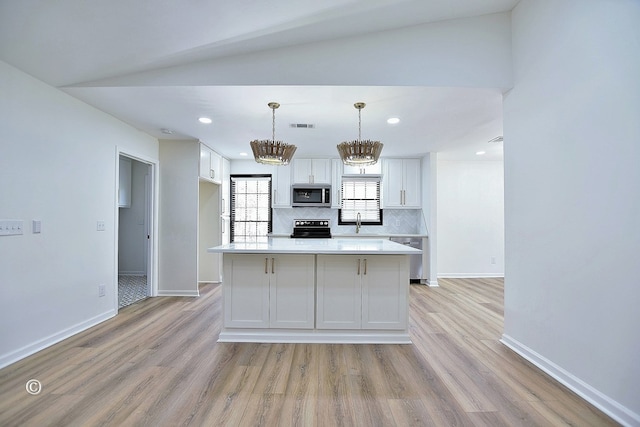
(365, 266)
(266, 265)
(358, 267)
(273, 267)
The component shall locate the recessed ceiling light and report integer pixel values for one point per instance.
(480, 153)
(205, 120)
(243, 154)
(393, 121)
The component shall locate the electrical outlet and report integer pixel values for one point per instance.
(101, 226)
(101, 290)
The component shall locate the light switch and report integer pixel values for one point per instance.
(36, 226)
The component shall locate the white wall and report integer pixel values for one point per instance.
(572, 196)
(470, 225)
(58, 165)
(178, 222)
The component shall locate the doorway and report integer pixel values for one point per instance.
(135, 219)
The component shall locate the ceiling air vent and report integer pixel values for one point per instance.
(496, 139)
(302, 125)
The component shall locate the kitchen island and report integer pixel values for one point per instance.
(316, 291)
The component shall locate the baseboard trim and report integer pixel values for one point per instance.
(28, 350)
(172, 293)
(433, 283)
(470, 276)
(612, 408)
(313, 336)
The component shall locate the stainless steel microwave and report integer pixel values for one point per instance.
(311, 195)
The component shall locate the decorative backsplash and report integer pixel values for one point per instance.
(395, 221)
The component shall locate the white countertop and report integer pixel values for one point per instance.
(362, 246)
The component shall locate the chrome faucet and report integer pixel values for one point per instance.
(358, 223)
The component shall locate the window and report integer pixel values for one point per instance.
(250, 208)
(360, 195)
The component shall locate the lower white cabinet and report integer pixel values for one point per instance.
(269, 291)
(362, 292)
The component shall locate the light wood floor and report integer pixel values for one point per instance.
(157, 363)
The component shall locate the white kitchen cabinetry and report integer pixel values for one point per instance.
(362, 292)
(363, 170)
(210, 165)
(225, 196)
(312, 171)
(269, 291)
(124, 184)
(281, 187)
(401, 183)
(336, 183)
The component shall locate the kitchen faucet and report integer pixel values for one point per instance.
(358, 223)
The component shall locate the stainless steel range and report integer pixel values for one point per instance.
(311, 229)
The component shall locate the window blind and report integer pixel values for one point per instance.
(250, 208)
(361, 195)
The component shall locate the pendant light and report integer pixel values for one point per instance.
(360, 153)
(272, 152)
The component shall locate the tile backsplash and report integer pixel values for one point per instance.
(395, 221)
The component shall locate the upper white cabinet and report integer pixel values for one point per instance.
(124, 185)
(210, 165)
(281, 186)
(311, 171)
(363, 170)
(225, 197)
(401, 183)
(336, 183)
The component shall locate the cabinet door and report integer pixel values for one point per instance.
(339, 293)
(401, 183)
(392, 185)
(291, 291)
(215, 168)
(302, 173)
(363, 170)
(225, 197)
(336, 183)
(225, 229)
(312, 171)
(281, 186)
(246, 291)
(385, 291)
(205, 162)
(321, 171)
(411, 183)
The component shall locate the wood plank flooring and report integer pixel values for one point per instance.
(158, 364)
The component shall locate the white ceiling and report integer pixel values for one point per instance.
(78, 46)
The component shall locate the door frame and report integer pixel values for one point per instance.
(151, 211)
